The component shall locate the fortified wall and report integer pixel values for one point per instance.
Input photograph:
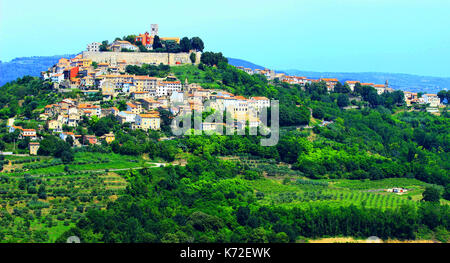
(141, 57)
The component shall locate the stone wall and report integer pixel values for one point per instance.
(141, 57)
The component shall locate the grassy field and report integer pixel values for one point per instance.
(84, 161)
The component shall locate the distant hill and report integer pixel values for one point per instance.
(32, 66)
(242, 63)
(399, 81)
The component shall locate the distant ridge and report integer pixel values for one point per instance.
(406, 82)
(22, 66)
(243, 63)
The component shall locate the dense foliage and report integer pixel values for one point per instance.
(206, 202)
(340, 135)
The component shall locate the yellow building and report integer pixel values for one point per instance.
(145, 83)
(148, 121)
(109, 138)
(85, 62)
(34, 147)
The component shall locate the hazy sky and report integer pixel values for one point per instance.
(399, 36)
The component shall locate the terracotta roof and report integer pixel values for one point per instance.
(149, 116)
(326, 79)
(260, 98)
(144, 77)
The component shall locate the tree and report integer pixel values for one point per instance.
(446, 194)
(193, 57)
(211, 58)
(342, 100)
(185, 44)
(69, 140)
(197, 44)
(431, 194)
(23, 144)
(318, 113)
(42, 194)
(142, 48)
(130, 38)
(104, 46)
(281, 237)
(157, 43)
(67, 156)
(444, 95)
(251, 175)
(242, 215)
(171, 46)
(52, 145)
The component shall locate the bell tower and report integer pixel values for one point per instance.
(154, 30)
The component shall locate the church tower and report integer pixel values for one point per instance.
(154, 30)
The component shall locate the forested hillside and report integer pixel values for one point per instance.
(337, 152)
(234, 190)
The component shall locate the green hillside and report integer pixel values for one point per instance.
(318, 181)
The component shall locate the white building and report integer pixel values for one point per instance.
(259, 102)
(118, 45)
(64, 135)
(57, 78)
(167, 88)
(93, 47)
(431, 99)
(127, 116)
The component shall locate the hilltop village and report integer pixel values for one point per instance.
(102, 74)
(105, 79)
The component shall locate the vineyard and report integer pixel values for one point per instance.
(284, 186)
(303, 192)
